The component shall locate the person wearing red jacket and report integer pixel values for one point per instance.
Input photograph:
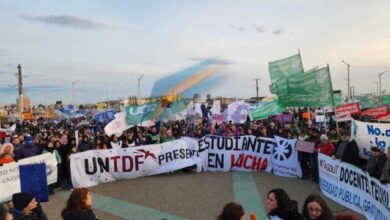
(324, 147)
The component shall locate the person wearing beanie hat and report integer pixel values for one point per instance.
(376, 162)
(26, 207)
(4, 213)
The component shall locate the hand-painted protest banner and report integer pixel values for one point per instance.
(385, 117)
(242, 153)
(353, 188)
(92, 167)
(351, 109)
(9, 174)
(375, 112)
(210, 153)
(368, 135)
(284, 160)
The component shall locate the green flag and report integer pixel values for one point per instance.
(169, 112)
(338, 99)
(265, 110)
(367, 101)
(281, 69)
(303, 83)
(386, 99)
(311, 89)
(136, 114)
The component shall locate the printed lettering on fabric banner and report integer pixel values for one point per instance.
(368, 135)
(10, 179)
(99, 166)
(285, 158)
(353, 188)
(350, 109)
(241, 153)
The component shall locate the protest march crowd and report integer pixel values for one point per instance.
(66, 137)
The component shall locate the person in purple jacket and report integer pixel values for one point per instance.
(29, 149)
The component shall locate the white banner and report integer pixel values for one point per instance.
(242, 153)
(100, 166)
(285, 158)
(368, 135)
(9, 174)
(210, 153)
(353, 188)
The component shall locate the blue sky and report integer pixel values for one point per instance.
(107, 45)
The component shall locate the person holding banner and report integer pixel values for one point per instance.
(281, 207)
(79, 206)
(324, 147)
(376, 163)
(315, 208)
(347, 150)
(385, 176)
(4, 213)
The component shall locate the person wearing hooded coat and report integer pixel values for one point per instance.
(29, 149)
(25, 207)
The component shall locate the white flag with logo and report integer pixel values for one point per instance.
(285, 158)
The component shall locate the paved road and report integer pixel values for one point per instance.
(186, 196)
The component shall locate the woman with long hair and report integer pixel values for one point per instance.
(78, 206)
(315, 208)
(280, 206)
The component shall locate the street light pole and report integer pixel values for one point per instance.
(380, 84)
(257, 91)
(349, 93)
(139, 88)
(73, 92)
(377, 88)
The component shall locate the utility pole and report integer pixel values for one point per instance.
(139, 86)
(377, 88)
(73, 92)
(46, 97)
(257, 91)
(380, 84)
(20, 87)
(349, 93)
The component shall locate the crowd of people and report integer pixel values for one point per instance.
(281, 207)
(74, 135)
(79, 207)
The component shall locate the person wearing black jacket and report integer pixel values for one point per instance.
(25, 207)
(280, 206)
(376, 163)
(347, 150)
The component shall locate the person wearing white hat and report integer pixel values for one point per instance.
(324, 147)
